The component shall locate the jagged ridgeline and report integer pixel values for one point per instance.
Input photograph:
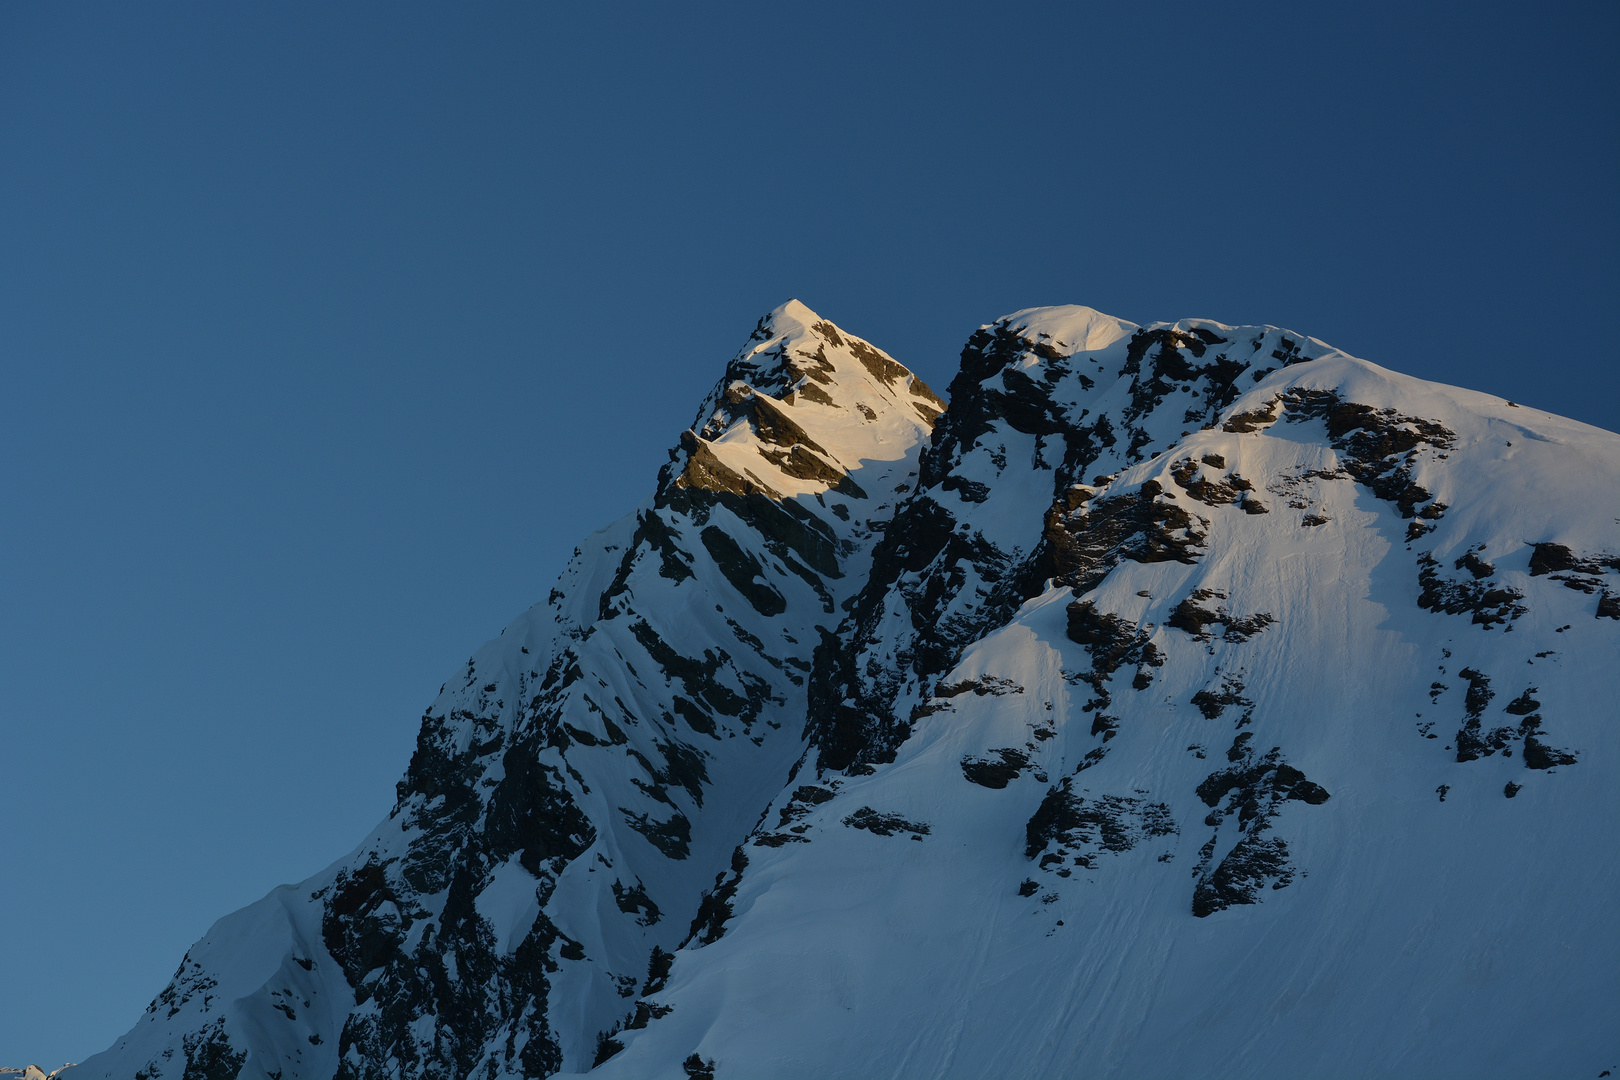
(1185, 699)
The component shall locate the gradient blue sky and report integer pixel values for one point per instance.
(327, 330)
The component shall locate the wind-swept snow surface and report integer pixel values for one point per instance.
(1186, 700)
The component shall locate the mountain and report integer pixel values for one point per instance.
(1184, 700)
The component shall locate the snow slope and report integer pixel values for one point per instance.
(1202, 701)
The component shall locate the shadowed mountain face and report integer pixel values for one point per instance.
(1183, 700)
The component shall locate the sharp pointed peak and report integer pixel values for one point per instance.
(790, 319)
(794, 309)
(792, 328)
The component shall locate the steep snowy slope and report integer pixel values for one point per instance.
(1197, 701)
(1283, 741)
(588, 774)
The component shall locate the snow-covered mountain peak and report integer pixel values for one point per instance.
(1069, 328)
(800, 409)
(1187, 699)
(794, 351)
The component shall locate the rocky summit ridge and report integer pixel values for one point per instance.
(1183, 699)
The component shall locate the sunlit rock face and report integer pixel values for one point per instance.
(1182, 699)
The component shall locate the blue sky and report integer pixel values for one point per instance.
(327, 330)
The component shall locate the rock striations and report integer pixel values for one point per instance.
(1186, 699)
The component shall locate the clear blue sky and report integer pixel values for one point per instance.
(327, 329)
